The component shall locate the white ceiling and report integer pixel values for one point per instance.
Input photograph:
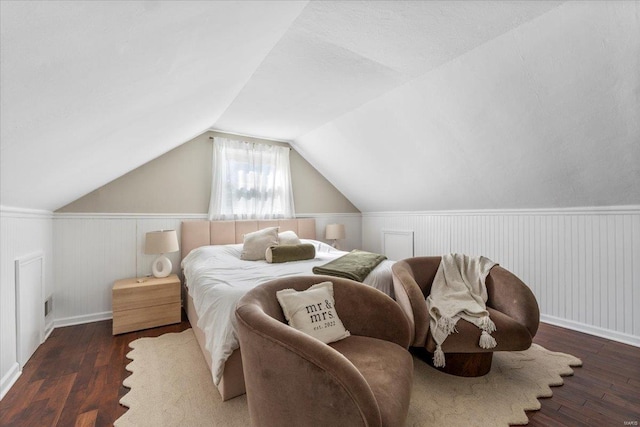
(402, 105)
(340, 54)
(92, 90)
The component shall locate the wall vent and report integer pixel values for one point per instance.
(48, 305)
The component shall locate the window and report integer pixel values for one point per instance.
(250, 181)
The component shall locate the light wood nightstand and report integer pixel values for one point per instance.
(145, 302)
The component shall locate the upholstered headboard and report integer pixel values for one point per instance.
(203, 233)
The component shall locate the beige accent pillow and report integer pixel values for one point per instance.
(256, 243)
(313, 312)
(289, 238)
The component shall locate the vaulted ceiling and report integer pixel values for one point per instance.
(401, 105)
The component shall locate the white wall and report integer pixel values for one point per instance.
(352, 223)
(22, 232)
(583, 265)
(94, 250)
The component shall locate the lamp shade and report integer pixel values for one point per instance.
(161, 242)
(335, 232)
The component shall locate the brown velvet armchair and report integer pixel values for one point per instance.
(293, 379)
(511, 305)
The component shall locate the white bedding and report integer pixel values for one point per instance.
(217, 278)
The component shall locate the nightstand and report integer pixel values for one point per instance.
(145, 302)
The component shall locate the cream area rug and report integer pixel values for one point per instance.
(171, 386)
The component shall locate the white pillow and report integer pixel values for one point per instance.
(255, 244)
(288, 238)
(313, 312)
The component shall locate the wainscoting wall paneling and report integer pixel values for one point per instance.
(22, 232)
(29, 272)
(94, 250)
(583, 265)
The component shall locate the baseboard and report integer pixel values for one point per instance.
(592, 330)
(48, 328)
(78, 320)
(9, 379)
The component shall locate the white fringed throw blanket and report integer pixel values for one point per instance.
(459, 292)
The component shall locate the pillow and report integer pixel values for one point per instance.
(289, 238)
(255, 244)
(286, 253)
(313, 312)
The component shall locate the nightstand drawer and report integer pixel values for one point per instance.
(146, 317)
(132, 297)
(141, 303)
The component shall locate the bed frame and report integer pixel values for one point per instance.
(203, 233)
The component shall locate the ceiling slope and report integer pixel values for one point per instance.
(445, 105)
(92, 90)
(338, 55)
(546, 115)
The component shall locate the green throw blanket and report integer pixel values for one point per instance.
(356, 265)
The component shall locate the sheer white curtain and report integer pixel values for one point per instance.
(250, 181)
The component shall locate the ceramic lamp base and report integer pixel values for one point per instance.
(161, 267)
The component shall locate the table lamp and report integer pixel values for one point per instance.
(161, 242)
(335, 232)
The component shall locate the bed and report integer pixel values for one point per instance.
(211, 292)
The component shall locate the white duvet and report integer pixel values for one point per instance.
(217, 278)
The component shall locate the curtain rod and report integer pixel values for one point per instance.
(266, 143)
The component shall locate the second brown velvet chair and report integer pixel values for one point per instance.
(293, 379)
(511, 305)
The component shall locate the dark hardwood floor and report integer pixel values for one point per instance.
(75, 379)
(605, 391)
